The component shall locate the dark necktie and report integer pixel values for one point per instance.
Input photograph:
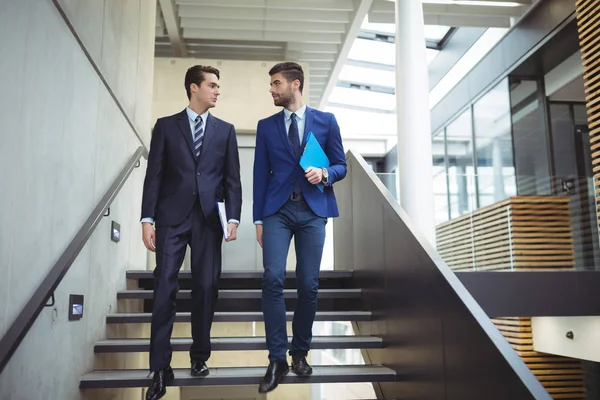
(198, 135)
(294, 138)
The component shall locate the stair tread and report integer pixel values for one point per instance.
(238, 376)
(147, 274)
(242, 293)
(238, 343)
(250, 316)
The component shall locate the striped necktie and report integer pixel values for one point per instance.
(198, 135)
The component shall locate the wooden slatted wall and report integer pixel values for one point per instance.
(562, 377)
(522, 233)
(588, 22)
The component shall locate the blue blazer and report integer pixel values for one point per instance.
(276, 169)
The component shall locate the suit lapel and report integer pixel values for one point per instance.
(184, 127)
(210, 131)
(307, 126)
(280, 119)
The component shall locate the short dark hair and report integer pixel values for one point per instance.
(291, 71)
(195, 75)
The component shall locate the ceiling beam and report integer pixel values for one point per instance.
(385, 6)
(450, 20)
(388, 37)
(362, 8)
(257, 25)
(455, 15)
(230, 34)
(370, 65)
(268, 14)
(167, 8)
(323, 5)
(367, 86)
(313, 48)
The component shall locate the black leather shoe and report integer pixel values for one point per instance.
(300, 366)
(199, 369)
(158, 387)
(275, 372)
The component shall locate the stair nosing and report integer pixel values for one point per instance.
(245, 316)
(239, 376)
(147, 294)
(327, 274)
(237, 343)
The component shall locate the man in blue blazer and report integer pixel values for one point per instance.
(288, 203)
(193, 164)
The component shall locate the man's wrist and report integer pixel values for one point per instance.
(325, 176)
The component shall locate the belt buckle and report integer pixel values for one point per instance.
(296, 196)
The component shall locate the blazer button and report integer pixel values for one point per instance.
(193, 193)
(198, 173)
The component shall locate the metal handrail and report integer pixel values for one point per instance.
(25, 319)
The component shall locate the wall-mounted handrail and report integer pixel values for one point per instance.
(27, 316)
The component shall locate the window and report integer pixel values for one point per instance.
(440, 178)
(459, 135)
(493, 139)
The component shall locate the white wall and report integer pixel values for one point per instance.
(244, 95)
(64, 141)
(549, 336)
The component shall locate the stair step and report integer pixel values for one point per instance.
(147, 274)
(244, 294)
(238, 376)
(238, 344)
(128, 318)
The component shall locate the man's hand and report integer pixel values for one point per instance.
(259, 232)
(231, 232)
(149, 236)
(314, 175)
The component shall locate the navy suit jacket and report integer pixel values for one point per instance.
(175, 178)
(276, 168)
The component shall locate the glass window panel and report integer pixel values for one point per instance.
(440, 183)
(368, 76)
(459, 142)
(493, 138)
(364, 98)
(475, 54)
(530, 141)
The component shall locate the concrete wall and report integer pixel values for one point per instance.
(64, 141)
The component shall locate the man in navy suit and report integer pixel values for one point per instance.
(288, 203)
(193, 164)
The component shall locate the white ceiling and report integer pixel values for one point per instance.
(317, 32)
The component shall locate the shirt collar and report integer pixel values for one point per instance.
(299, 114)
(193, 114)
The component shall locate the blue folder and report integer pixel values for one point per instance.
(314, 156)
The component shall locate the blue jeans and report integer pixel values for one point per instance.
(296, 219)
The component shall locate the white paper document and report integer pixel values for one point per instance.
(223, 217)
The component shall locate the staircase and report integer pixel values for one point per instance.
(239, 302)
